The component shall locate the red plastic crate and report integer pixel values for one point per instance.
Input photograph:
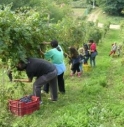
(20, 108)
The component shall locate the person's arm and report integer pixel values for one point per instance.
(22, 80)
(45, 43)
(42, 53)
(67, 55)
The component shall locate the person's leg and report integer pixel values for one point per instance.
(46, 88)
(111, 53)
(37, 89)
(78, 69)
(61, 83)
(9, 73)
(86, 60)
(53, 89)
(114, 52)
(81, 65)
(91, 60)
(43, 80)
(94, 62)
(119, 52)
(73, 70)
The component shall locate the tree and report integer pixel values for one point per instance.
(21, 3)
(113, 7)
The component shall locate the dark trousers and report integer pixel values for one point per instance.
(61, 84)
(86, 60)
(50, 78)
(75, 67)
(9, 73)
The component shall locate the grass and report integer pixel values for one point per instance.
(93, 100)
(116, 20)
(78, 12)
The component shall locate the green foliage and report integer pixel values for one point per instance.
(9, 91)
(114, 7)
(21, 34)
(21, 3)
(122, 25)
(87, 102)
(96, 99)
(58, 12)
(106, 27)
(63, 1)
(23, 30)
(69, 118)
(103, 82)
(79, 4)
(90, 31)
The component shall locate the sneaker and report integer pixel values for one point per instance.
(79, 74)
(61, 92)
(41, 102)
(52, 100)
(71, 75)
(42, 91)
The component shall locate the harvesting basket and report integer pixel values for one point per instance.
(19, 108)
(86, 67)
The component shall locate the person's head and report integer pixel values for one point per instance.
(91, 41)
(21, 66)
(54, 43)
(85, 46)
(73, 51)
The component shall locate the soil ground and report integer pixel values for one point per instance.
(94, 16)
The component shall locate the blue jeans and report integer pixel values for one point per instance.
(92, 61)
(81, 63)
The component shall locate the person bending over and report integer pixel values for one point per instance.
(44, 71)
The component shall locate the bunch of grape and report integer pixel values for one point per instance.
(26, 99)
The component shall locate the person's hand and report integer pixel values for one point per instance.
(16, 80)
(43, 42)
(41, 52)
(46, 43)
(22, 80)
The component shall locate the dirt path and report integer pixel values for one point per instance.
(94, 16)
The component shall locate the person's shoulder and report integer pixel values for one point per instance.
(50, 51)
(60, 47)
(80, 49)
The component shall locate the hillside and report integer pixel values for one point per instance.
(93, 100)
